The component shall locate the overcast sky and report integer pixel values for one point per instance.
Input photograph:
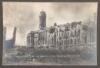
(25, 15)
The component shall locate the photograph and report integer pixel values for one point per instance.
(49, 33)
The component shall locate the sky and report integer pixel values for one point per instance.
(25, 15)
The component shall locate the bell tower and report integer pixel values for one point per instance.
(42, 18)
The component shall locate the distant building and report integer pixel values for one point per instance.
(42, 20)
(11, 42)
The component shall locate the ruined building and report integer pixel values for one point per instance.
(59, 36)
(11, 42)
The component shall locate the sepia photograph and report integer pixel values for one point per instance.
(49, 33)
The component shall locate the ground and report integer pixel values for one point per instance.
(75, 55)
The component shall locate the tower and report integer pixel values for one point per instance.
(42, 17)
(14, 36)
(4, 36)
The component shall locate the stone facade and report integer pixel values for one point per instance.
(60, 36)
